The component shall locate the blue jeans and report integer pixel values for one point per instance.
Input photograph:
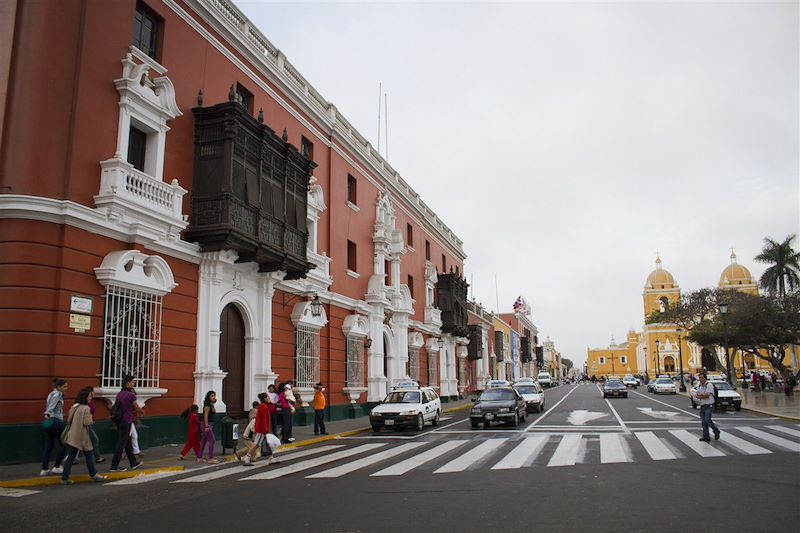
(95, 442)
(52, 436)
(705, 419)
(71, 454)
(123, 445)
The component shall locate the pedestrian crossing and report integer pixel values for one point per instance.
(532, 450)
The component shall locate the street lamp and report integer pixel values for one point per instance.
(723, 310)
(316, 306)
(658, 358)
(682, 388)
(646, 373)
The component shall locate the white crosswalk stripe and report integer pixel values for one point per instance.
(613, 449)
(745, 446)
(788, 431)
(367, 461)
(654, 447)
(772, 439)
(471, 457)
(524, 454)
(704, 449)
(420, 459)
(311, 463)
(567, 452)
(17, 493)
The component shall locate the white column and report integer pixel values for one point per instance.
(376, 381)
(400, 334)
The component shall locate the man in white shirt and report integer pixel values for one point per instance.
(703, 395)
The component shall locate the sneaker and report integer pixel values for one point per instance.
(247, 461)
(99, 478)
(316, 433)
(181, 457)
(212, 461)
(290, 439)
(272, 461)
(67, 482)
(137, 465)
(705, 439)
(57, 470)
(324, 433)
(100, 460)
(44, 472)
(117, 469)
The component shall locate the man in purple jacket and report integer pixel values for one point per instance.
(126, 399)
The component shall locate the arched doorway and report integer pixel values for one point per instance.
(750, 361)
(708, 360)
(231, 359)
(669, 364)
(387, 367)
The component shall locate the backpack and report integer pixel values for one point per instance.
(116, 413)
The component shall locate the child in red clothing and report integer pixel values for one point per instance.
(261, 430)
(193, 432)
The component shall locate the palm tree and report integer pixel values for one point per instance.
(785, 269)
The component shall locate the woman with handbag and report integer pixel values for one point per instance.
(76, 436)
(53, 425)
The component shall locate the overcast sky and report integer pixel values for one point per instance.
(566, 143)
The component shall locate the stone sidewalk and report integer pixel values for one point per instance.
(165, 458)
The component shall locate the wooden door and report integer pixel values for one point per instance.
(231, 359)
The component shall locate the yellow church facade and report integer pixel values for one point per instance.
(662, 349)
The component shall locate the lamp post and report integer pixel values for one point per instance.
(723, 310)
(744, 371)
(646, 373)
(658, 358)
(682, 388)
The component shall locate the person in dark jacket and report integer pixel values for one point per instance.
(127, 402)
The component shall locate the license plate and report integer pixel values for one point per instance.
(388, 422)
(489, 416)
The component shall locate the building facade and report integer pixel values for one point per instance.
(185, 207)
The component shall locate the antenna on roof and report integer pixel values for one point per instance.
(386, 122)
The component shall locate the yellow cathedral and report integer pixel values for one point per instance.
(662, 349)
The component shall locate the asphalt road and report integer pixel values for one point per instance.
(586, 463)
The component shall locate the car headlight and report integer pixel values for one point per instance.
(504, 410)
(375, 414)
(408, 413)
(476, 409)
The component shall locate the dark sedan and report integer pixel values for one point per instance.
(614, 387)
(501, 404)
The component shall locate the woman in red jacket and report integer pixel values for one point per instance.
(261, 430)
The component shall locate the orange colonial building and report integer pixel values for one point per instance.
(186, 207)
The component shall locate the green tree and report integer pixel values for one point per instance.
(785, 269)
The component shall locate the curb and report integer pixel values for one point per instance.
(84, 478)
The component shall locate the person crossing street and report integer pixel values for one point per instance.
(703, 395)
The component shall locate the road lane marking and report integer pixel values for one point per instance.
(788, 431)
(772, 439)
(656, 449)
(621, 423)
(668, 405)
(744, 446)
(524, 454)
(311, 463)
(702, 448)
(613, 449)
(239, 469)
(567, 451)
(552, 409)
(413, 462)
(579, 417)
(471, 457)
(17, 493)
(145, 478)
(670, 416)
(366, 461)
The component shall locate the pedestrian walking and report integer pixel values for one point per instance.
(77, 436)
(207, 428)
(273, 409)
(791, 383)
(126, 399)
(754, 379)
(192, 432)
(53, 425)
(93, 434)
(260, 432)
(319, 409)
(704, 396)
(287, 409)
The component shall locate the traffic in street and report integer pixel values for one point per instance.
(630, 461)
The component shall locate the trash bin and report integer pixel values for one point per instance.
(230, 433)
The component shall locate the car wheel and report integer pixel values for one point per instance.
(420, 422)
(474, 424)
(538, 408)
(486, 425)
(376, 429)
(515, 422)
(435, 421)
(626, 395)
(737, 407)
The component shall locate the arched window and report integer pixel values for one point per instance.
(669, 364)
(663, 304)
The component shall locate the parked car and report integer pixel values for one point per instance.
(630, 381)
(544, 379)
(500, 404)
(614, 388)
(651, 385)
(726, 396)
(533, 394)
(498, 383)
(407, 406)
(664, 385)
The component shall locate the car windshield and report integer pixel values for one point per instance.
(722, 385)
(544, 376)
(614, 385)
(402, 397)
(496, 395)
(663, 381)
(526, 389)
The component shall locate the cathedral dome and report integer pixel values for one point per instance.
(660, 278)
(735, 274)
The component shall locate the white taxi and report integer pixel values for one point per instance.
(407, 406)
(533, 394)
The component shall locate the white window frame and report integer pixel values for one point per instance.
(306, 356)
(623, 359)
(433, 369)
(413, 363)
(355, 361)
(602, 360)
